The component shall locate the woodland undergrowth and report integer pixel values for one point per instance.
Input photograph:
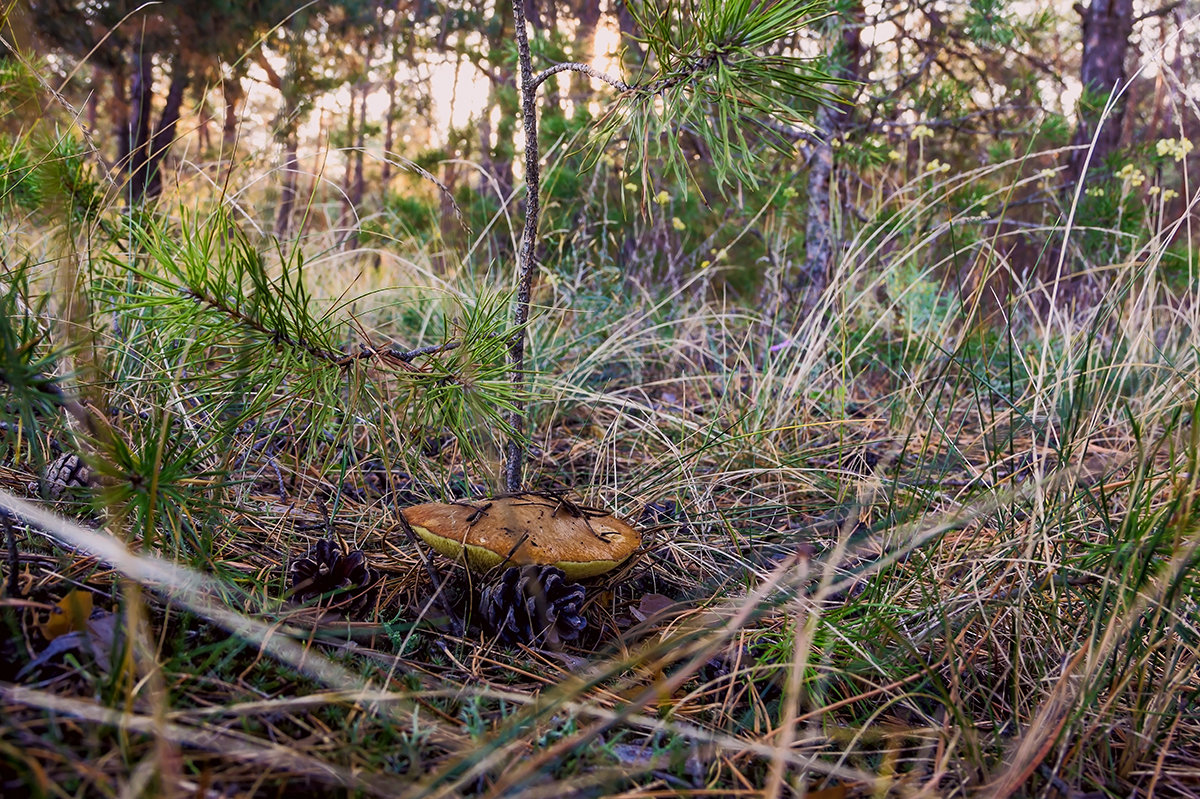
(929, 529)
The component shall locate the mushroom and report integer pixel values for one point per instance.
(523, 529)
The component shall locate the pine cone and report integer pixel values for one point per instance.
(532, 604)
(325, 569)
(66, 472)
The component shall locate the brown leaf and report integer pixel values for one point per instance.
(70, 615)
(832, 792)
(652, 606)
(102, 632)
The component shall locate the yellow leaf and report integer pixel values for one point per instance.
(69, 615)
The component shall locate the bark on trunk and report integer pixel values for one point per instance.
(93, 102)
(587, 12)
(357, 183)
(120, 116)
(818, 238)
(389, 135)
(287, 194)
(1106, 28)
(145, 150)
(164, 134)
(629, 32)
(141, 92)
(232, 91)
(358, 186)
(346, 217)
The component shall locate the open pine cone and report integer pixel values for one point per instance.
(67, 471)
(533, 604)
(342, 579)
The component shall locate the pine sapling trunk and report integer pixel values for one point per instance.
(515, 453)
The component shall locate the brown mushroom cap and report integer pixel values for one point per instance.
(525, 528)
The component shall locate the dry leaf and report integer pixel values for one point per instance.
(652, 606)
(838, 791)
(99, 637)
(69, 615)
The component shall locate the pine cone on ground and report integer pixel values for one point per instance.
(533, 604)
(66, 472)
(63, 474)
(342, 579)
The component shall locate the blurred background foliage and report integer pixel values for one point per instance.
(341, 109)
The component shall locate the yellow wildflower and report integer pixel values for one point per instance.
(1131, 173)
(921, 132)
(678, 223)
(663, 197)
(630, 187)
(1176, 148)
(1169, 194)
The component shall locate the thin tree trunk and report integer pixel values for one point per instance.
(1106, 28)
(830, 121)
(164, 134)
(514, 460)
(552, 102)
(357, 183)
(358, 186)
(93, 103)
(232, 94)
(287, 194)
(141, 92)
(120, 116)
(347, 215)
(587, 13)
(389, 134)
(629, 32)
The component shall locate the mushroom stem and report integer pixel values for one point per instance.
(456, 626)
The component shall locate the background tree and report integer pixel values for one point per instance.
(1106, 26)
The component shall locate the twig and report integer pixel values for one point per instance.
(391, 353)
(586, 69)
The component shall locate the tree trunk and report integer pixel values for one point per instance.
(346, 220)
(830, 121)
(164, 134)
(231, 89)
(93, 102)
(389, 134)
(552, 98)
(629, 32)
(357, 183)
(497, 159)
(587, 13)
(120, 117)
(1106, 28)
(287, 194)
(141, 92)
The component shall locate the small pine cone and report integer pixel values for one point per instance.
(67, 471)
(325, 569)
(532, 604)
